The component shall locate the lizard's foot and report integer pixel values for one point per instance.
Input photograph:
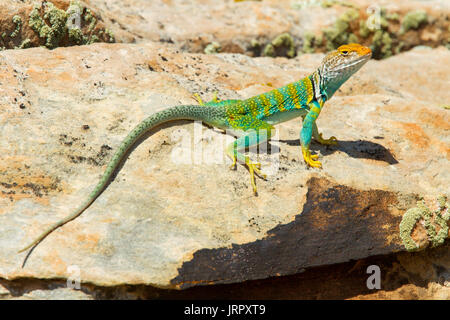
(233, 165)
(311, 159)
(331, 141)
(199, 99)
(257, 170)
(254, 168)
(202, 103)
(215, 99)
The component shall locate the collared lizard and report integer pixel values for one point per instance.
(254, 118)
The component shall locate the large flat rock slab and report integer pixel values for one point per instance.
(175, 215)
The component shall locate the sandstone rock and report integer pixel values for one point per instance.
(175, 215)
(250, 27)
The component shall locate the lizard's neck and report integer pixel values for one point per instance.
(324, 85)
(319, 90)
(331, 85)
(332, 80)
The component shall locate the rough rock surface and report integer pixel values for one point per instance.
(255, 28)
(249, 26)
(176, 216)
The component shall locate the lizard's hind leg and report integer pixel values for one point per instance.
(215, 102)
(260, 132)
(200, 101)
(318, 137)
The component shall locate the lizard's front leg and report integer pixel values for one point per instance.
(309, 121)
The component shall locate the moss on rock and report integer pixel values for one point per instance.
(340, 33)
(434, 222)
(282, 45)
(58, 27)
(213, 47)
(413, 20)
(17, 20)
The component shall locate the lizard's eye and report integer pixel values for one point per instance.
(345, 52)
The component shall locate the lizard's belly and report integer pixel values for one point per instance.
(285, 116)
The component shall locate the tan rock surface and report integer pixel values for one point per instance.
(65, 111)
(248, 26)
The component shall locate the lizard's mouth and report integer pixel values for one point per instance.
(358, 61)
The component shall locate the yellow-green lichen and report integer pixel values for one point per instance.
(89, 18)
(413, 20)
(364, 30)
(339, 33)
(269, 50)
(255, 43)
(25, 44)
(399, 47)
(75, 9)
(54, 32)
(76, 35)
(393, 16)
(380, 29)
(57, 26)
(282, 45)
(382, 43)
(330, 3)
(447, 43)
(110, 34)
(435, 223)
(302, 4)
(310, 42)
(213, 47)
(17, 20)
(94, 39)
(73, 23)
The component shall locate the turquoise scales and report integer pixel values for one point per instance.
(253, 118)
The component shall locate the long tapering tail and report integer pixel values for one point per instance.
(182, 112)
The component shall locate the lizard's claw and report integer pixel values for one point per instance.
(233, 165)
(199, 99)
(331, 141)
(215, 99)
(255, 168)
(202, 103)
(311, 159)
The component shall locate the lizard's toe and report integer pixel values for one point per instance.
(331, 141)
(311, 159)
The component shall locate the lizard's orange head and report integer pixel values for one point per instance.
(354, 49)
(347, 57)
(341, 64)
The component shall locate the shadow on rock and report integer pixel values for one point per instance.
(356, 149)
